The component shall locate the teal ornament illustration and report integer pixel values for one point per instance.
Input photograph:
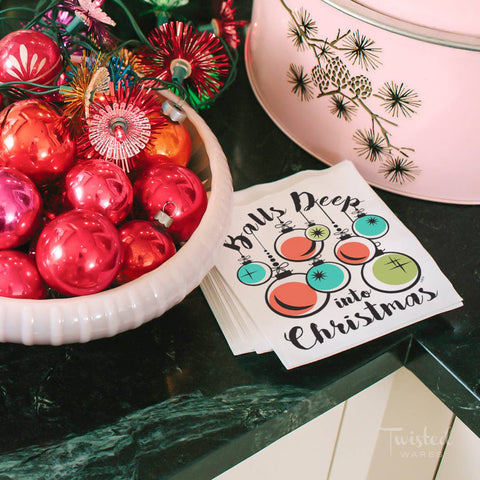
(254, 273)
(370, 226)
(328, 277)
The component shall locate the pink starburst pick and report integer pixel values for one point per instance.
(119, 127)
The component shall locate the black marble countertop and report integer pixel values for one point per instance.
(169, 400)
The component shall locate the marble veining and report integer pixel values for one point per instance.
(154, 441)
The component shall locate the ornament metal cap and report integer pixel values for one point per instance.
(174, 112)
(164, 219)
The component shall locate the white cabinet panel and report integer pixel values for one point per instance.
(359, 431)
(304, 453)
(461, 460)
(413, 432)
(396, 430)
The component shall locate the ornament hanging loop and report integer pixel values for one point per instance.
(282, 267)
(284, 225)
(164, 219)
(244, 259)
(343, 234)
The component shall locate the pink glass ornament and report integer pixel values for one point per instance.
(19, 277)
(102, 186)
(144, 249)
(175, 191)
(79, 252)
(35, 139)
(29, 56)
(20, 208)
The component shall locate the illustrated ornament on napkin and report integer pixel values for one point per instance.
(316, 264)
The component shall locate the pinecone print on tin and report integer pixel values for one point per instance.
(347, 93)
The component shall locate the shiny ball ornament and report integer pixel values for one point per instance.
(101, 186)
(19, 277)
(175, 191)
(35, 140)
(29, 56)
(20, 208)
(144, 249)
(172, 144)
(79, 253)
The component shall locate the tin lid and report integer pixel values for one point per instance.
(453, 24)
(460, 16)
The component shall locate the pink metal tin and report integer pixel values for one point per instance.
(396, 96)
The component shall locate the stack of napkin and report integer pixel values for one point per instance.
(315, 264)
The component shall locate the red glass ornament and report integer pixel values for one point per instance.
(176, 191)
(20, 208)
(144, 249)
(79, 252)
(29, 56)
(172, 144)
(101, 186)
(35, 140)
(19, 277)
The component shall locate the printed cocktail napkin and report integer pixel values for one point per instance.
(315, 264)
